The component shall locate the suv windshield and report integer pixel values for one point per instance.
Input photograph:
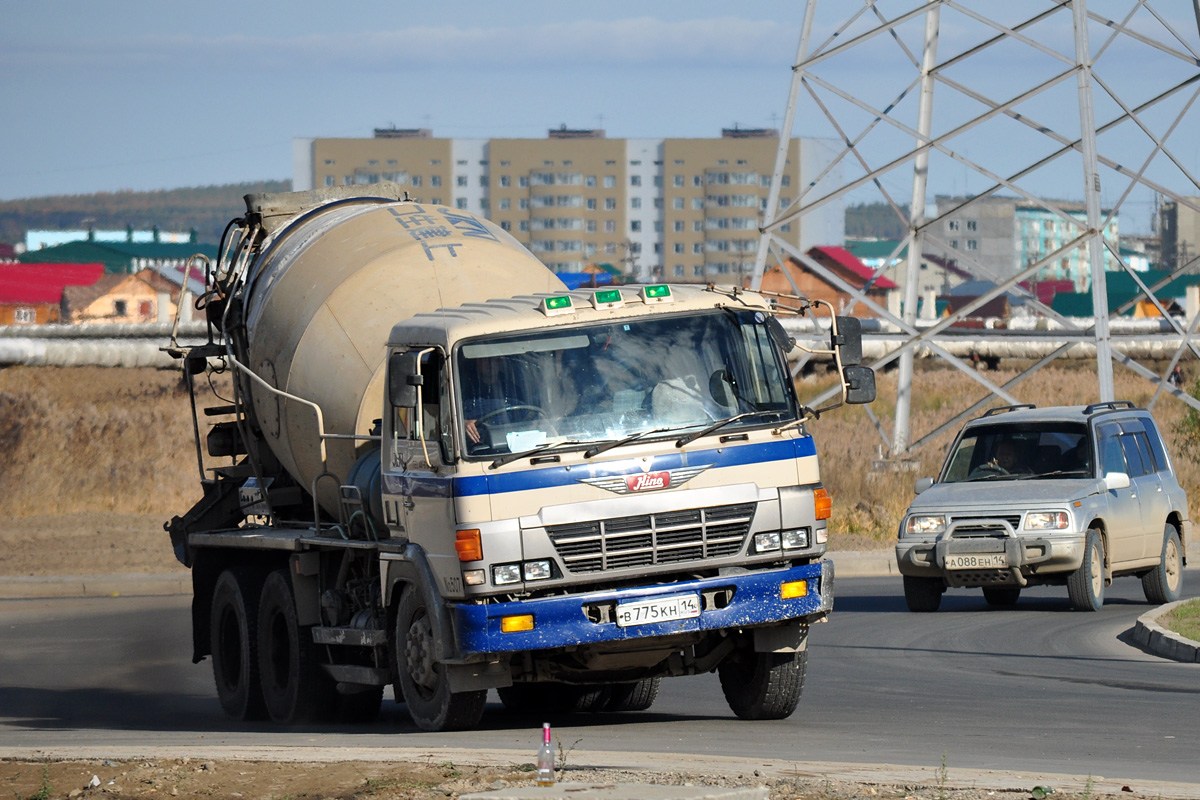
(1031, 451)
(599, 383)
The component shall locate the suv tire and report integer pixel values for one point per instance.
(1085, 586)
(923, 594)
(1162, 584)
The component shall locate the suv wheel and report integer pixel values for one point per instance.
(1162, 584)
(1085, 586)
(923, 594)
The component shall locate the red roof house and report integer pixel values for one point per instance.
(31, 294)
(842, 263)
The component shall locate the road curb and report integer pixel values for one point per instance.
(25, 588)
(1162, 642)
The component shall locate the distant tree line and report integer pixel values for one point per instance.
(875, 221)
(207, 209)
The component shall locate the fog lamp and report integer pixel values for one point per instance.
(523, 622)
(793, 589)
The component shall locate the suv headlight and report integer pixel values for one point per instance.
(924, 524)
(1046, 521)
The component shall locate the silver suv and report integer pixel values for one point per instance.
(1074, 495)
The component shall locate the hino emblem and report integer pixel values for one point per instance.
(646, 481)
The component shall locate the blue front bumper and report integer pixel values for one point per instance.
(561, 621)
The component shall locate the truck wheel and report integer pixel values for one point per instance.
(294, 687)
(426, 690)
(233, 626)
(1001, 596)
(633, 696)
(1085, 586)
(1162, 584)
(923, 594)
(763, 685)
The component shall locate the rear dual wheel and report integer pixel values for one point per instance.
(294, 687)
(233, 642)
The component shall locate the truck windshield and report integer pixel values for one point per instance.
(598, 383)
(1033, 451)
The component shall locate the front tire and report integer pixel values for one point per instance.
(294, 687)
(923, 595)
(763, 685)
(1163, 583)
(233, 632)
(633, 696)
(1085, 586)
(422, 679)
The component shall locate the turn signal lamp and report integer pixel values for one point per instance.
(469, 545)
(607, 298)
(556, 305)
(823, 503)
(793, 589)
(658, 293)
(517, 624)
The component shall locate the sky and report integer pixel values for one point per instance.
(130, 94)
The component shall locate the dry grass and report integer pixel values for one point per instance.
(111, 441)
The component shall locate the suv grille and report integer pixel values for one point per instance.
(669, 538)
(984, 525)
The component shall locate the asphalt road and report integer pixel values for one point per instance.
(1038, 688)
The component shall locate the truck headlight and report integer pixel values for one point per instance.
(537, 570)
(766, 542)
(795, 539)
(925, 523)
(1046, 521)
(503, 574)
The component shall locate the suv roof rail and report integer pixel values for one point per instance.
(1111, 405)
(1002, 409)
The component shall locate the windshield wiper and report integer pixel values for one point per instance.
(508, 458)
(691, 437)
(606, 446)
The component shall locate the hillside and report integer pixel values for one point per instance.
(207, 209)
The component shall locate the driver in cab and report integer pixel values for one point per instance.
(486, 390)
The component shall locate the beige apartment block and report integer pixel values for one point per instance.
(655, 209)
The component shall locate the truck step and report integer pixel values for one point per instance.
(352, 637)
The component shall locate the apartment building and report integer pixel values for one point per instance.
(658, 209)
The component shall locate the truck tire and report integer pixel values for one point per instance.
(294, 687)
(923, 595)
(1163, 583)
(1085, 586)
(1001, 596)
(763, 685)
(233, 637)
(633, 696)
(426, 690)
(548, 698)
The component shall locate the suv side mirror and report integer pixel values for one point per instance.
(848, 340)
(403, 379)
(1116, 480)
(860, 384)
(922, 484)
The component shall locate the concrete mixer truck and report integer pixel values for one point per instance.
(441, 471)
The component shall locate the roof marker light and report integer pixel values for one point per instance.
(607, 298)
(558, 304)
(657, 293)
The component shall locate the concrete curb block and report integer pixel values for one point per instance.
(848, 564)
(1162, 642)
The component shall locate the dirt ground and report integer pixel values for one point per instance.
(348, 780)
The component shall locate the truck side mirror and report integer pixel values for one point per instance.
(848, 340)
(860, 384)
(403, 379)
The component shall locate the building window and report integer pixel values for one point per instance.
(952, 225)
(329, 180)
(591, 226)
(461, 180)
(416, 180)
(505, 203)
(679, 248)
(460, 202)
(610, 226)
(610, 204)
(677, 203)
(371, 162)
(697, 180)
(119, 308)
(971, 225)
(505, 225)
(635, 202)
(698, 271)
(483, 181)
(329, 162)
(678, 270)
(591, 204)
(610, 181)
(435, 162)
(523, 203)
(972, 244)
(391, 162)
(505, 181)
(523, 225)
(679, 226)
(697, 204)
(635, 180)
(523, 181)
(590, 181)
(697, 226)
(505, 163)
(435, 180)
(954, 243)
(697, 248)
(635, 225)
(610, 248)
(25, 316)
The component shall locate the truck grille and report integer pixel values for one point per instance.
(984, 525)
(668, 538)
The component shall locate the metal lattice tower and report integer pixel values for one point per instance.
(1082, 109)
